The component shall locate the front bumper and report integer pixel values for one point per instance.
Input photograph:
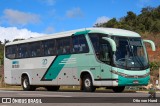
(123, 81)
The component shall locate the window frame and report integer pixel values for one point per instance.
(99, 41)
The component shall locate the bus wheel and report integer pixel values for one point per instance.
(26, 85)
(118, 89)
(52, 88)
(87, 84)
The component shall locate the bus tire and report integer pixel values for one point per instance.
(26, 84)
(118, 89)
(87, 84)
(52, 88)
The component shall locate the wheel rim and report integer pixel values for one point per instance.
(25, 83)
(87, 83)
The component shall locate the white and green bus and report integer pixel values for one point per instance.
(89, 58)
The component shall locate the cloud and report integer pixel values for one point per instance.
(102, 20)
(50, 29)
(15, 17)
(74, 13)
(11, 33)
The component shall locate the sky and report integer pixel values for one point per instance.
(32, 18)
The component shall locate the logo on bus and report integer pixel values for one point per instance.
(44, 62)
(15, 64)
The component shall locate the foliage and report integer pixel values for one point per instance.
(147, 21)
(154, 65)
(1, 52)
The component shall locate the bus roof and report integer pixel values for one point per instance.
(109, 31)
(114, 31)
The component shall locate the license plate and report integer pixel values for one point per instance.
(135, 82)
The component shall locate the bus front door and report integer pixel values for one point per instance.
(106, 77)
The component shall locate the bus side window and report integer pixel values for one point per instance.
(101, 47)
(67, 49)
(75, 44)
(83, 44)
(59, 45)
(95, 42)
(11, 52)
(79, 44)
(33, 53)
(48, 48)
(35, 49)
(22, 51)
(63, 45)
(66, 45)
(19, 52)
(105, 51)
(76, 48)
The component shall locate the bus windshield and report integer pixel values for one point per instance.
(130, 54)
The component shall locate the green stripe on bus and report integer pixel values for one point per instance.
(81, 32)
(55, 68)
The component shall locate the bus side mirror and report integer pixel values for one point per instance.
(151, 43)
(111, 42)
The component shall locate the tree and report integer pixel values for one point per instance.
(148, 21)
(6, 41)
(111, 23)
(156, 27)
(156, 13)
(130, 16)
(147, 9)
(1, 52)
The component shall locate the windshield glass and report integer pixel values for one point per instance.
(130, 53)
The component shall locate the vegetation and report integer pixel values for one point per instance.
(1, 52)
(147, 21)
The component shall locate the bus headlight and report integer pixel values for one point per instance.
(119, 73)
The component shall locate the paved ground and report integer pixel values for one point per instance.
(70, 93)
(78, 98)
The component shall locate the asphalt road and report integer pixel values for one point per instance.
(78, 98)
